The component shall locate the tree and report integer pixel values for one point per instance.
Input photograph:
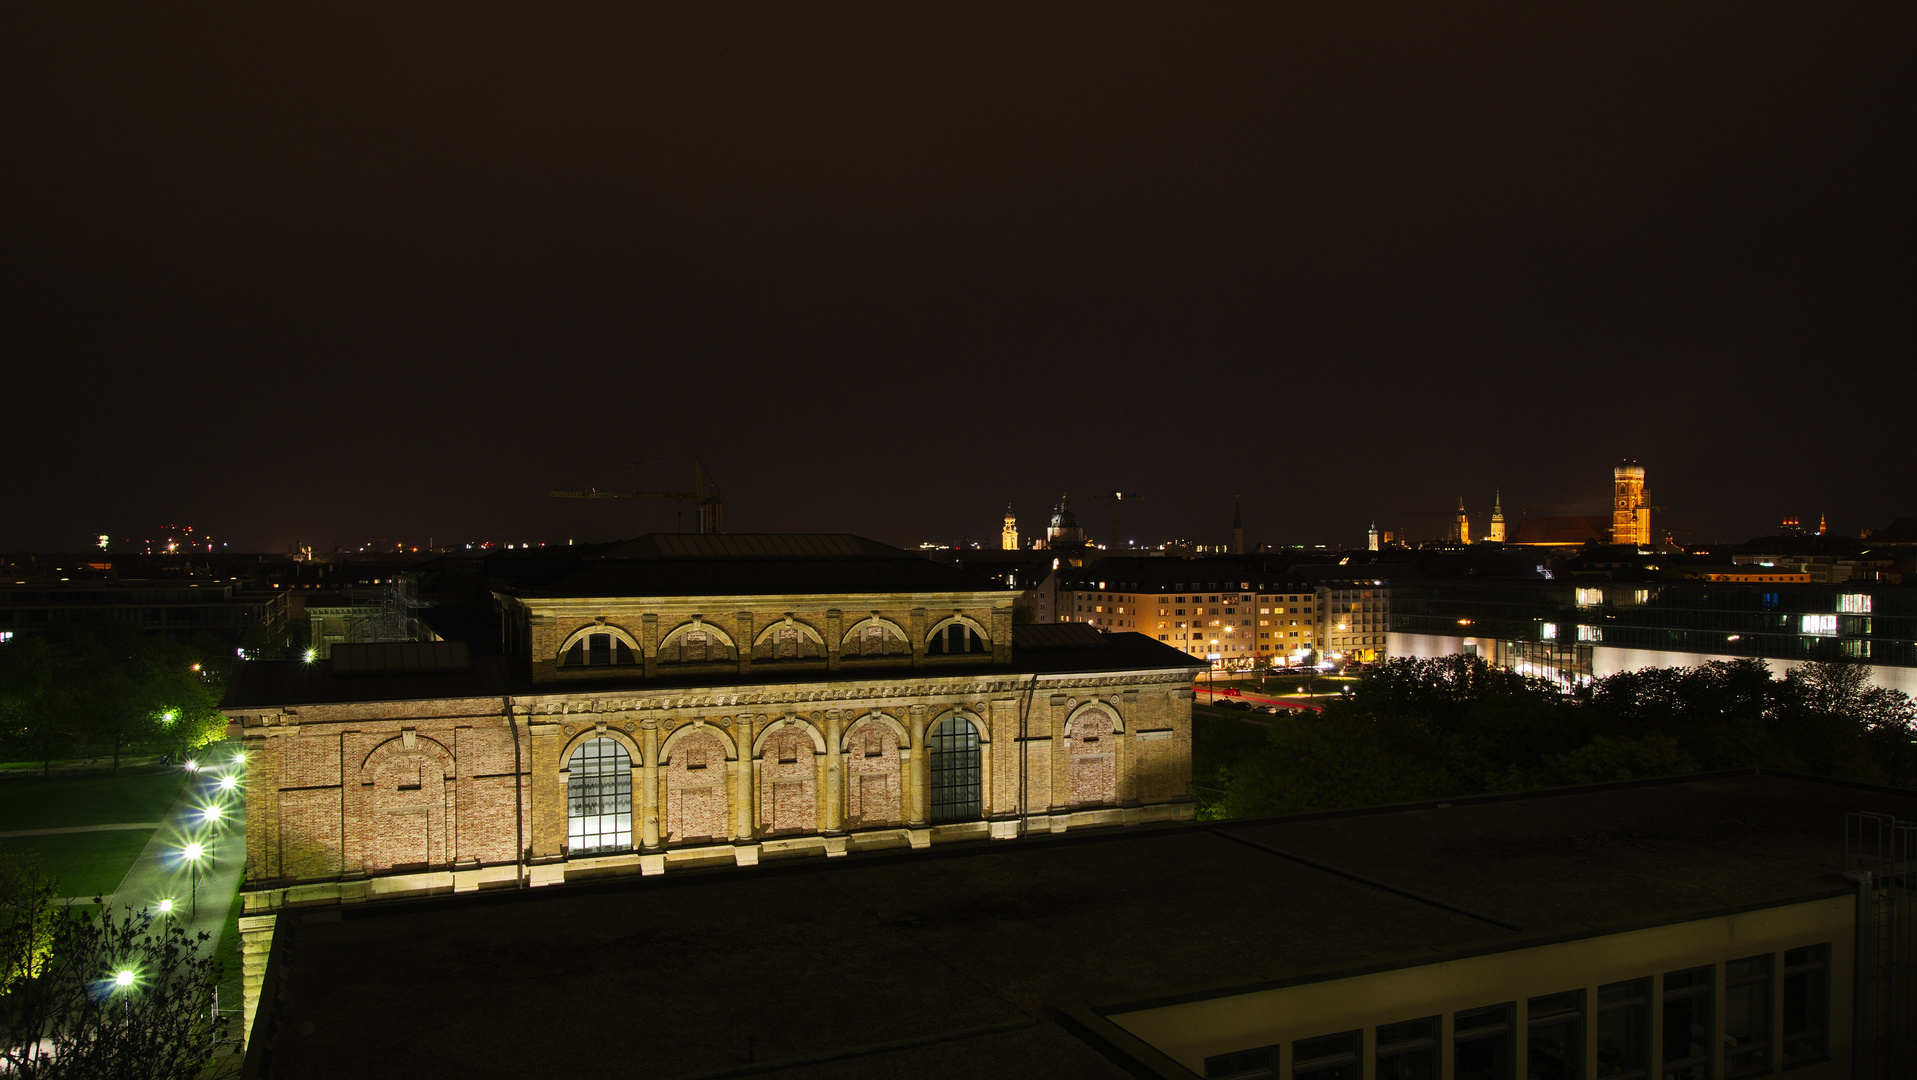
(118, 996)
(26, 923)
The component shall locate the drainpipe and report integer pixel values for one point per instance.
(1024, 756)
(519, 802)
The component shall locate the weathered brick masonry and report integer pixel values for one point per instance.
(753, 725)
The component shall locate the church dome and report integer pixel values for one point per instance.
(1062, 516)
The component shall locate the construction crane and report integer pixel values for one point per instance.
(1115, 497)
(711, 519)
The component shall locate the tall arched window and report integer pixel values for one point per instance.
(953, 637)
(599, 797)
(954, 771)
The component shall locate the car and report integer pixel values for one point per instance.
(1241, 706)
(1273, 710)
(1230, 691)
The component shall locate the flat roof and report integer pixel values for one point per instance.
(954, 961)
(1037, 649)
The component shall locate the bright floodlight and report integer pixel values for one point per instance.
(166, 905)
(169, 716)
(310, 654)
(192, 852)
(211, 813)
(228, 783)
(124, 978)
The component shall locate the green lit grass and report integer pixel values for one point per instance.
(82, 864)
(36, 803)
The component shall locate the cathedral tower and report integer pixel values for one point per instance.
(1630, 513)
(1008, 539)
(1464, 523)
(1496, 533)
(1373, 534)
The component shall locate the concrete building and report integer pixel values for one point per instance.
(1576, 630)
(1709, 926)
(230, 610)
(680, 701)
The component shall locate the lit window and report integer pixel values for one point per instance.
(1590, 633)
(1590, 597)
(1854, 603)
(1825, 625)
(599, 798)
(1549, 631)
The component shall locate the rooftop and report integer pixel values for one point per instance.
(749, 564)
(954, 961)
(270, 684)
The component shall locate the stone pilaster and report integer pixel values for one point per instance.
(917, 766)
(834, 768)
(649, 788)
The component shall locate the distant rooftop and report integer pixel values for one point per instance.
(748, 564)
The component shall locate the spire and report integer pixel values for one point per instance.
(1497, 502)
(1237, 514)
(1237, 527)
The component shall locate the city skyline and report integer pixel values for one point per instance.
(885, 270)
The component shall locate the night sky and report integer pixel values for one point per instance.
(301, 278)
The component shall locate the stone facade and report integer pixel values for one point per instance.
(754, 728)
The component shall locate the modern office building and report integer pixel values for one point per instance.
(1577, 629)
(1711, 926)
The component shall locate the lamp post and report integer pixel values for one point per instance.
(122, 982)
(192, 853)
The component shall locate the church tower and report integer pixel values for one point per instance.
(1630, 513)
(1464, 523)
(1008, 540)
(1373, 534)
(1237, 528)
(1064, 531)
(1496, 534)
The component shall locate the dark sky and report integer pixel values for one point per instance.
(311, 278)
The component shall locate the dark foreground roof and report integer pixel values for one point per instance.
(1057, 649)
(959, 957)
(749, 564)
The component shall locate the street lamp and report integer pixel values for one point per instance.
(166, 905)
(122, 982)
(192, 853)
(229, 782)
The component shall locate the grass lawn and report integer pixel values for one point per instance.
(82, 864)
(36, 803)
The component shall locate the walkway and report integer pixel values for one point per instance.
(124, 825)
(163, 872)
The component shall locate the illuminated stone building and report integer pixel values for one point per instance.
(1630, 513)
(1008, 537)
(687, 700)
(1495, 534)
(1461, 531)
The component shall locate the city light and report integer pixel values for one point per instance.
(310, 654)
(193, 851)
(228, 783)
(168, 716)
(211, 813)
(123, 979)
(190, 765)
(166, 905)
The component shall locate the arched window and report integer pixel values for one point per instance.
(598, 648)
(599, 797)
(956, 638)
(954, 771)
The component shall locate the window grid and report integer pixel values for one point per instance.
(599, 798)
(1747, 1016)
(955, 771)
